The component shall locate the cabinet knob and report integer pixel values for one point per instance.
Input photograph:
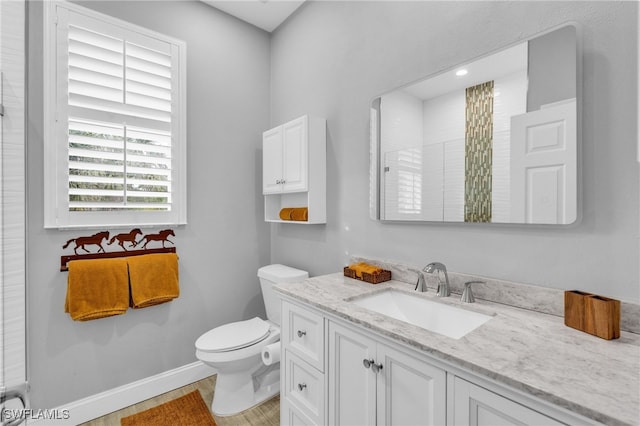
(376, 367)
(301, 333)
(302, 386)
(368, 363)
(282, 181)
(278, 182)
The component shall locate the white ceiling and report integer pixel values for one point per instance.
(502, 63)
(265, 14)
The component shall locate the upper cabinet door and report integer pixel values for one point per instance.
(272, 161)
(295, 142)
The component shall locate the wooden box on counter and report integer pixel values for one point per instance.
(375, 278)
(592, 314)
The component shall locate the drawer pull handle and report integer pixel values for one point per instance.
(302, 386)
(301, 333)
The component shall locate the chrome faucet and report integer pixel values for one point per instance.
(421, 285)
(443, 287)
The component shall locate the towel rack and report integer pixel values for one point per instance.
(130, 237)
(65, 259)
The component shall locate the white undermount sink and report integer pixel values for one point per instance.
(433, 316)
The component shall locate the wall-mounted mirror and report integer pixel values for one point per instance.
(493, 140)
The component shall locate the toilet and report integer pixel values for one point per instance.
(234, 350)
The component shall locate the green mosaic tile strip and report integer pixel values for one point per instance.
(478, 153)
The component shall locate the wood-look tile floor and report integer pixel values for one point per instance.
(267, 413)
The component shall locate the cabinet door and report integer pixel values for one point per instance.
(352, 387)
(477, 406)
(272, 161)
(295, 144)
(410, 391)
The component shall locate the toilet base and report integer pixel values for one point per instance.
(239, 391)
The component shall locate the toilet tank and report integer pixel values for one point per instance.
(274, 274)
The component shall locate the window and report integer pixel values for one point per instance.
(115, 139)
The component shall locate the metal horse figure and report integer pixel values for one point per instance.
(95, 239)
(129, 237)
(160, 236)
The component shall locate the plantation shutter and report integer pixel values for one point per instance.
(119, 120)
(118, 99)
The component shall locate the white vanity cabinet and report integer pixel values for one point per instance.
(325, 379)
(335, 372)
(294, 168)
(372, 383)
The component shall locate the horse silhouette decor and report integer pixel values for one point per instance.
(127, 241)
(129, 237)
(95, 239)
(161, 236)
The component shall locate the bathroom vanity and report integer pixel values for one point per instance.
(346, 364)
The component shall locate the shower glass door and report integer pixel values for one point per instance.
(13, 371)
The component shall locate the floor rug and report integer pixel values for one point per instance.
(188, 410)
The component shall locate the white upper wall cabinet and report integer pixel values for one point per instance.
(294, 169)
(285, 165)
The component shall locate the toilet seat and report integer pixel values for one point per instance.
(233, 336)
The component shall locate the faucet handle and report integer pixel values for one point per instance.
(420, 284)
(467, 294)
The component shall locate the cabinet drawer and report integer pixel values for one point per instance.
(304, 388)
(303, 334)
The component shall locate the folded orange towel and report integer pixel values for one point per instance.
(300, 214)
(361, 267)
(153, 279)
(97, 288)
(285, 214)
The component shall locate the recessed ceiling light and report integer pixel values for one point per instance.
(461, 72)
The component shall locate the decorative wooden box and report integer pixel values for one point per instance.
(374, 278)
(592, 314)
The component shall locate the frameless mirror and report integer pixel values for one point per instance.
(493, 140)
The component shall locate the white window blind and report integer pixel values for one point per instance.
(117, 130)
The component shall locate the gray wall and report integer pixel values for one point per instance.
(333, 58)
(221, 248)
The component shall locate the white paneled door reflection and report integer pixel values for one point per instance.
(543, 166)
(12, 202)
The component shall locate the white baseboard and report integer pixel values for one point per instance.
(103, 403)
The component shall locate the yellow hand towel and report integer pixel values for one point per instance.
(97, 288)
(285, 213)
(153, 279)
(361, 267)
(300, 214)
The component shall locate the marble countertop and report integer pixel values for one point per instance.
(527, 350)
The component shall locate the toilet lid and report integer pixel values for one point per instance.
(233, 336)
